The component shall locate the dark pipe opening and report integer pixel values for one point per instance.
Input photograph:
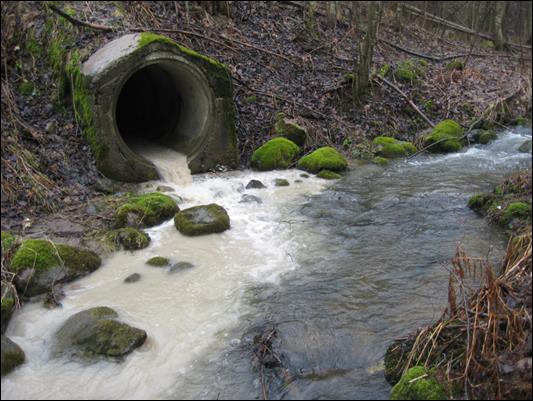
(148, 107)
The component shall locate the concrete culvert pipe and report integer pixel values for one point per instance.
(146, 88)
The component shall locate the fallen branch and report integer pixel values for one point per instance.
(77, 22)
(384, 80)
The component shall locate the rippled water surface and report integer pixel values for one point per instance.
(341, 269)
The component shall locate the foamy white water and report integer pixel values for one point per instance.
(184, 313)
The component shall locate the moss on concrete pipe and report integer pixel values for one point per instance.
(145, 87)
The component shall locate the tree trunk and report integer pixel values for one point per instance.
(499, 40)
(397, 23)
(310, 19)
(366, 51)
(331, 12)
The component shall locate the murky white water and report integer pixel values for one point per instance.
(183, 313)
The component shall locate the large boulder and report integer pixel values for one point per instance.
(96, 332)
(12, 355)
(445, 137)
(200, 220)
(41, 264)
(325, 158)
(146, 210)
(290, 129)
(278, 153)
(391, 148)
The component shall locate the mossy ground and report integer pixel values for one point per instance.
(278, 153)
(445, 137)
(325, 158)
(391, 148)
(455, 65)
(146, 210)
(418, 383)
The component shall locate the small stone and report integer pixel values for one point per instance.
(180, 266)
(158, 261)
(255, 184)
(281, 182)
(164, 188)
(132, 278)
(250, 198)
(304, 175)
(201, 220)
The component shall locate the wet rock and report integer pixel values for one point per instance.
(129, 238)
(278, 153)
(325, 158)
(298, 181)
(158, 261)
(132, 278)
(180, 266)
(255, 184)
(304, 175)
(164, 188)
(200, 220)
(281, 182)
(12, 355)
(41, 264)
(250, 199)
(329, 175)
(145, 210)
(8, 304)
(96, 332)
(290, 129)
(525, 147)
(380, 161)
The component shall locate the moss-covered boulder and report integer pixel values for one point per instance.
(487, 136)
(276, 154)
(41, 264)
(418, 383)
(445, 137)
(391, 148)
(290, 129)
(200, 220)
(12, 355)
(146, 210)
(328, 175)
(158, 261)
(281, 182)
(96, 331)
(8, 304)
(380, 161)
(408, 71)
(325, 158)
(128, 238)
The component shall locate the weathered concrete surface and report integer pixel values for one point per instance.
(170, 95)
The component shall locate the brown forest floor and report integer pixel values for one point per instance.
(277, 66)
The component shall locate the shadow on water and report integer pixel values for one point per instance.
(372, 257)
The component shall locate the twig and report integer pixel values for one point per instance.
(77, 22)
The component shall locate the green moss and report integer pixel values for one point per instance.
(392, 148)
(201, 220)
(278, 153)
(329, 175)
(44, 255)
(158, 261)
(418, 384)
(487, 136)
(487, 44)
(384, 70)
(348, 78)
(455, 65)
(428, 106)
(325, 158)
(250, 99)
(380, 161)
(33, 47)
(446, 136)
(130, 238)
(408, 71)
(146, 210)
(479, 202)
(516, 210)
(8, 240)
(26, 88)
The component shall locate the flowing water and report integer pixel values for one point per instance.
(341, 269)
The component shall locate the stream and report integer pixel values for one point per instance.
(340, 269)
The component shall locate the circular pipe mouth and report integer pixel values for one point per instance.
(167, 102)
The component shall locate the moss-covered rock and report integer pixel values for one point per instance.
(278, 153)
(408, 71)
(325, 158)
(146, 210)
(96, 332)
(328, 175)
(41, 264)
(480, 202)
(418, 383)
(391, 148)
(487, 136)
(158, 261)
(132, 278)
(200, 220)
(516, 210)
(180, 266)
(8, 304)
(281, 182)
(290, 129)
(380, 161)
(455, 65)
(525, 147)
(11, 356)
(445, 137)
(129, 238)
